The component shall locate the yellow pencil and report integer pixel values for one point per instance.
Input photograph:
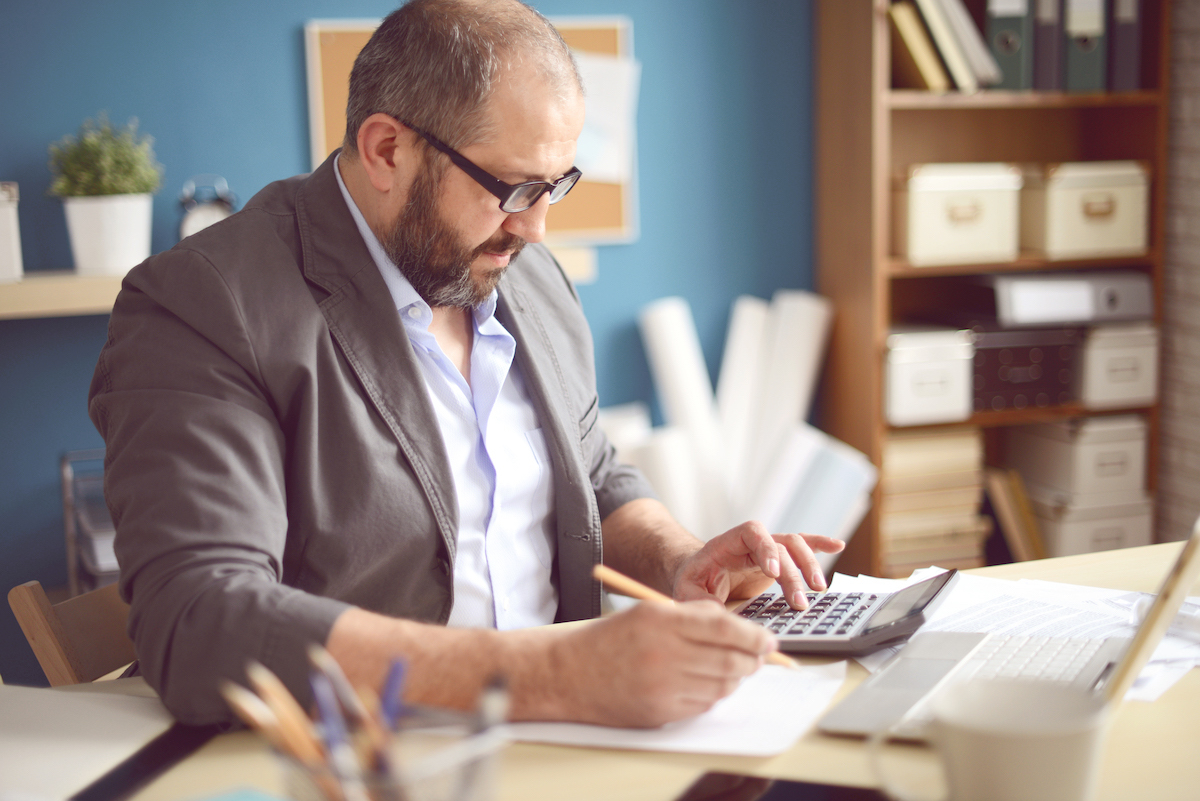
(635, 589)
(293, 723)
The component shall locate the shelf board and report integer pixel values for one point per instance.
(58, 293)
(1020, 417)
(915, 99)
(1028, 262)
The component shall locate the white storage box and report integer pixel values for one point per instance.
(11, 267)
(1086, 209)
(1084, 455)
(956, 213)
(1119, 366)
(1072, 523)
(928, 375)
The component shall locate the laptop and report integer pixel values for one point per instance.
(897, 696)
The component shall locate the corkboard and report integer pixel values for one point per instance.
(594, 213)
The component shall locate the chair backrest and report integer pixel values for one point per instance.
(77, 640)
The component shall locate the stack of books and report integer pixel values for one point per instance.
(1047, 45)
(932, 488)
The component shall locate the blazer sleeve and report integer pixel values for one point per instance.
(194, 478)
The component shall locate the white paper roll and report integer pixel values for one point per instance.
(666, 461)
(740, 385)
(685, 392)
(797, 336)
(627, 426)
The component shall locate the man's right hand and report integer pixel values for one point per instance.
(647, 666)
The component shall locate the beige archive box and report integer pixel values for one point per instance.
(11, 267)
(1074, 523)
(928, 375)
(956, 213)
(1086, 209)
(1119, 366)
(1084, 455)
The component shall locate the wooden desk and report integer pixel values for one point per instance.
(1153, 750)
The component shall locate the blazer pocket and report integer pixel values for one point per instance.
(587, 424)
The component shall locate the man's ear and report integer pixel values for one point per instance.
(385, 148)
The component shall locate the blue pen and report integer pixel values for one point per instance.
(391, 703)
(342, 758)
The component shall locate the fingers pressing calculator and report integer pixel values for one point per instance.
(848, 623)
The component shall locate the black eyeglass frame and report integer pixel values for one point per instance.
(504, 192)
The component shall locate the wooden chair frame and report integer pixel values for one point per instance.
(78, 640)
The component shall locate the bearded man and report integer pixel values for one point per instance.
(362, 412)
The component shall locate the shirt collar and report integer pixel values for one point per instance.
(403, 294)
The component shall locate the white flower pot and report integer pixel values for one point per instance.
(109, 233)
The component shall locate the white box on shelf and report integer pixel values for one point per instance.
(1086, 209)
(928, 376)
(1119, 366)
(1073, 523)
(11, 265)
(956, 213)
(1083, 455)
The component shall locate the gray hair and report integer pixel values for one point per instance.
(436, 63)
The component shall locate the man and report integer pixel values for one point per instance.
(352, 414)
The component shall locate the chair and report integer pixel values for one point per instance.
(78, 640)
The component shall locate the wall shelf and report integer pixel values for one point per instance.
(58, 293)
(918, 99)
(900, 268)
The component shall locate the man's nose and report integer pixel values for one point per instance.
(530, 224)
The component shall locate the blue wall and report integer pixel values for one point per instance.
(724, 145)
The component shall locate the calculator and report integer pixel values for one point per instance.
(848, 623)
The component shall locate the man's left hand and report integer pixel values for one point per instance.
(747, 559)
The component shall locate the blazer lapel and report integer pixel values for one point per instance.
(363, 321)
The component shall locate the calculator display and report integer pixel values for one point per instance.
(906, 602)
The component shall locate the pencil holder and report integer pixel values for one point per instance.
(435, 755)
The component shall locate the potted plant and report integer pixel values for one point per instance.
(106, 177)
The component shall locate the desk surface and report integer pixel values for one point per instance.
(1153, 750)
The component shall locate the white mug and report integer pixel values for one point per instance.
(1008, 740)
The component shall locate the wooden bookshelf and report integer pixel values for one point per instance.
(866, 132)
(54, 293)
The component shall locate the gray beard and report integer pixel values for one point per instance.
(431, 256)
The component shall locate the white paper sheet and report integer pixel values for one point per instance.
(605, 150)
(765, 716)
(55, 742)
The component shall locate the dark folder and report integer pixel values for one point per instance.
(1010, 38)
(1087, 46)
(1048, 45)
(1124, 45)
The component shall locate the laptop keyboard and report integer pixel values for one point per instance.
(827, 613)
(1036, 658)
(1055, 659)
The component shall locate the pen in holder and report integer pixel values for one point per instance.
(353, 751)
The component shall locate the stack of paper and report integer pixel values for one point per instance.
(744, 451)
(932, 486)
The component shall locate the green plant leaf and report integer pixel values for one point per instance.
(102, 160)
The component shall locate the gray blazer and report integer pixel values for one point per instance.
(272, 455)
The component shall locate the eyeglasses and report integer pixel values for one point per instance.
(513, 197)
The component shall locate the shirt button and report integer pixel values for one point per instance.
(414, 312)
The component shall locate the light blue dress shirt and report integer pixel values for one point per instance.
(498, 456)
